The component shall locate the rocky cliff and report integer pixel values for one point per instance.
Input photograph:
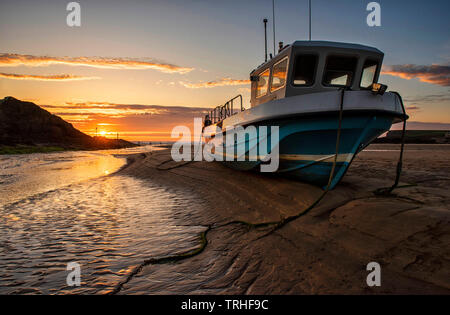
(25, 123)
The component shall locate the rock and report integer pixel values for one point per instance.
(25, 123)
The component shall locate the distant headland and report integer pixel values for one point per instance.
(417, 137)
(26, 128)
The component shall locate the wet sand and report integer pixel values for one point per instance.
(325, 251)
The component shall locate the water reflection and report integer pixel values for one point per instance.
(107, 224)
(27, 174)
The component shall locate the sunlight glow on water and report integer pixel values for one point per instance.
(107, 224)
(23, 175)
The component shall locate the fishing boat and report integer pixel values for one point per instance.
(326, 101)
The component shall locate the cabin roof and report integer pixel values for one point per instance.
(320, 44)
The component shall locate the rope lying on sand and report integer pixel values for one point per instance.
(163, 260)
(204, 241)
(275, 224)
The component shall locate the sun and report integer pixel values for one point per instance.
(102, 133)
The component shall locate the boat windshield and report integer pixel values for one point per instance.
(263, 83)
(368, 74)
(279, 75)
(340, 71)
(305, 70)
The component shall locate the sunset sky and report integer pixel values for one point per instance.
(141, 67)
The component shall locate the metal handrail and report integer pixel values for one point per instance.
(226, 110)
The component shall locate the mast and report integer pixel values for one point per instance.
(273, 24)
(265, 39)
(309, 20)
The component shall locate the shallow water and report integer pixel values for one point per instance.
(22, 175)
(70, 212)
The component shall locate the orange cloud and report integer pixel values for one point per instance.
(12, 60)
(115, 110)
(131, 121)
(211, 84)
(56, 77)
(434, 74)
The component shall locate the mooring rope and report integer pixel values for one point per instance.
(276, 224)
(203, 235)
(389, 190)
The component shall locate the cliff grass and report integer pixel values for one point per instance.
(27, 149)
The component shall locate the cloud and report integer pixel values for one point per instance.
(56, 77)
(434, 74)
(211, 84)
(244, 90)
(116, 110)
(132, 121)
(159, 108)
(430, 98)
(413, 108)
(13, 60)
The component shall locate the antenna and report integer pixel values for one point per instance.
(309, 20)
(273, 24)
(265, 39)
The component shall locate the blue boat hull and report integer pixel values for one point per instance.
(307, 145)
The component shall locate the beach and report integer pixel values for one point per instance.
(139, 223)
(325, 251)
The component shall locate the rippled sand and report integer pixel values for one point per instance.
(325, 251)
(154, 229)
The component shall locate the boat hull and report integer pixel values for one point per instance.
(307, 145)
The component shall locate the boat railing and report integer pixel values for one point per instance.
(226, 110)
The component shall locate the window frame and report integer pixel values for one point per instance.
(374, 74)
(286, 74)
(268, 83)
(327, 57)
(315, 69)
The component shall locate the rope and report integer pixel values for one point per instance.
(381, 191)
(279, 224)
(285, 221)
(388, 190)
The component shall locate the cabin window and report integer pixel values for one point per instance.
(263, 83)
(339, 71)
(368, 74)
(279, 73)
(304, 70)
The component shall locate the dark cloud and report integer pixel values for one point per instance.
(431, 98)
